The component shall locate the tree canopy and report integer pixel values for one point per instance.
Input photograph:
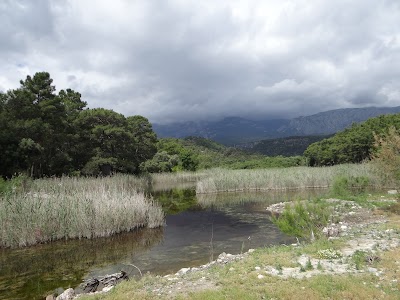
(44, 133)
(353, 145)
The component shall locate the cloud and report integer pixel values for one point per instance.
(192, 60)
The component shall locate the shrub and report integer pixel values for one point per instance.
(349, 185)
(387, 158)
(304, 220)
(329, 254)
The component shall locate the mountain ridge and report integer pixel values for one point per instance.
(237, 130)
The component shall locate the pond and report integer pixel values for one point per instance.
(197, 230)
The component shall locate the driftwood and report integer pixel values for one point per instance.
(92, 284)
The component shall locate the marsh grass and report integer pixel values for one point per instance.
(67, 208)
(265, 197)
(177, 177)
(219, 180)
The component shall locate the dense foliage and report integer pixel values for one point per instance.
(43, 133)
(387, 158)
(289, 146)
(193, 153)
(352, 145)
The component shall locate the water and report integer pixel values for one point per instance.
(198, 229)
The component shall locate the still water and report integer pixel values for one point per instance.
(197, 230)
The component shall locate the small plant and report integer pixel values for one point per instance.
(358, 258)
(329, 254)
(309, 265)
(279, 268)
(319, 266)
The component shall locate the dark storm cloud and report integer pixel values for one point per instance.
(183, 60)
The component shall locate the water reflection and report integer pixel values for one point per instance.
(176, 200)
(30, 273)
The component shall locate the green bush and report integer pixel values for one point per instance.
(17, 183)
(304, 220)
(344, 186)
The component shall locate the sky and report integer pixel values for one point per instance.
(184, 60)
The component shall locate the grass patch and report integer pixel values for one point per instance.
(359, 259)
(243, 283)
(66, 208)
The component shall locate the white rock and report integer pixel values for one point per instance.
(182, 271)
(107, 288)
(392, 192)
(260, 276)
(173, 278)
(222, 255)
(251, 250)
(68, 294)
(257, 268)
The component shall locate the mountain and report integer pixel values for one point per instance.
(332, 121)
(229, 131)
(236, 130)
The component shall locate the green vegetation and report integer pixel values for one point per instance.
(352, 145)
(304, 220)
(347, 186)
(219, 180)
(43, 133)
(65, 208)
(387, 158)
(288, 146)
(195, 153)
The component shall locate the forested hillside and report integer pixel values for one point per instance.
(194, 153)
(44, 133)
(290, 146)
(352, 145)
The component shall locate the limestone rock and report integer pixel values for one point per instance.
(68, 294)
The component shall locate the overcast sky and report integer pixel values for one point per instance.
(190, 60)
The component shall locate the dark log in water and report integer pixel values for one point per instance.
(92, 284)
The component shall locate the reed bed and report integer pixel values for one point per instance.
(67, 208)
(171, 179)
(223, 200)
(219, 180)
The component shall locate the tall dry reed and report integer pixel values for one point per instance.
(219, 180)
(69, 208)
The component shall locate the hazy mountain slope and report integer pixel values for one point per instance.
(228, 131)
(332, 121)
(236, 130)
